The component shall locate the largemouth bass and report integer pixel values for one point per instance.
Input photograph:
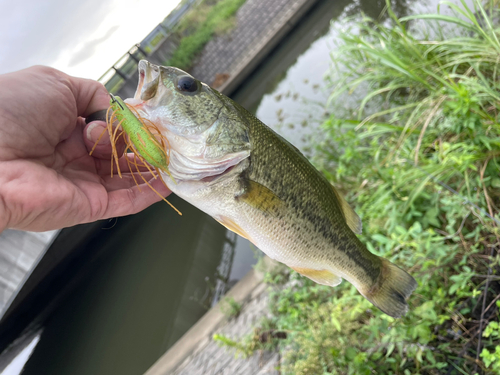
(233, 167)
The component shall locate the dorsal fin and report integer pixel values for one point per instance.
(352, 219)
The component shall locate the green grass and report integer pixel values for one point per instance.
(230, 307)
(200, 26)
(419, 158)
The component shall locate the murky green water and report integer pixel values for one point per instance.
(159, 273)
(136, 299)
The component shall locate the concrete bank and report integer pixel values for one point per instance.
(260, 25)
(196, 352)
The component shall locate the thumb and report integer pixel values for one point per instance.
(96, 138)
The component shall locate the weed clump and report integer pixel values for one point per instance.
(230, 307)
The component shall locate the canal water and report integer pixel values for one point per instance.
(158, 273)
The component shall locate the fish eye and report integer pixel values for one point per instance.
(187, 84)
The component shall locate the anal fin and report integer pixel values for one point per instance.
(323, 277)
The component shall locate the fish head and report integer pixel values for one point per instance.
(205, 130)
(173, 99)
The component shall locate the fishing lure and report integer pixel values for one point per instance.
(142, 137)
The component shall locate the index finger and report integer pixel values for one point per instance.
(90, 96)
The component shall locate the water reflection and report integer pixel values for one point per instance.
(12, 361)
(288, 91)
(375, 8)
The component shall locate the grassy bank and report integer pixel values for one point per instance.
(418, 158)
(199, 26)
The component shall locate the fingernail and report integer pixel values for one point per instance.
(95, 130)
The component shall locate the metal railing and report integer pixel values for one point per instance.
(115, 77)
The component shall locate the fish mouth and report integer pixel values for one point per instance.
(149, 78)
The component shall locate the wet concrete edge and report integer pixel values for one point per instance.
(201, 333)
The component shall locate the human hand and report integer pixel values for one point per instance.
(47, 178)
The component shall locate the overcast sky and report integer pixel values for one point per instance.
(82, 38)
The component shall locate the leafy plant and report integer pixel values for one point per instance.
(230, 307)
(492, 358)
(242, 348)
(266, 337)
(419, 159)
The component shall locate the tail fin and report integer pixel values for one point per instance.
(392, 289)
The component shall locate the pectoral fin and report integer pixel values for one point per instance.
(352, 219)
(232, 226)
(323, 277)
(260, 197)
